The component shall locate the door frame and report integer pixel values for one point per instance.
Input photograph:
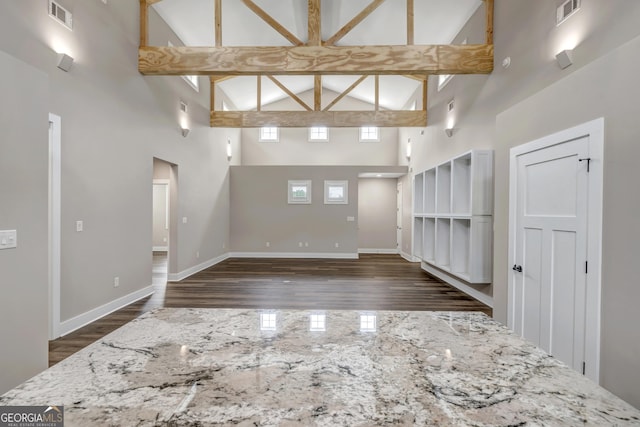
(399, 214)
(166, 184)
(55, 199)
(594, 131)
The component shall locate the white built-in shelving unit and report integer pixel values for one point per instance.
(453, 217)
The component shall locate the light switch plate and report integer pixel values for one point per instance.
(8, 239)
(351, 218)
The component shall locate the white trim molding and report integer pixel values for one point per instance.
(75, 323)
(176, 277)
(55, 173)
(459, 284)
(378, 251)
(409, 257)
(298, 255)
(160, 248)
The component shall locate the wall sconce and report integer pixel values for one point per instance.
(449, 132)
(64, 62)
(185, 132)
(229, 153)
(565, 58)
(409, 149)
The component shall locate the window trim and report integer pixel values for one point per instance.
(312, 139)
(292, 200)
(363, 139)
(344, 200)
(261, 137)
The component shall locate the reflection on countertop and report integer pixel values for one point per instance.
(279, 367)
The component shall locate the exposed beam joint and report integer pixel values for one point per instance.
(355, 21)
(314, 23)
(291, 94)
(273, 23)
(314, 60)
(291, 119)
(345, 93)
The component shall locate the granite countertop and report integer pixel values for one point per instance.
(318, 368)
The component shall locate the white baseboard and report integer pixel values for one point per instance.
(378, 251)
(160, 248)
(327, 255)
(176, 277)
(458, 284)
(68, 326)
(408, 257)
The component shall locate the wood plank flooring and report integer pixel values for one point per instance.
(373, 282)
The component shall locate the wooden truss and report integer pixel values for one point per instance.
(315, 57)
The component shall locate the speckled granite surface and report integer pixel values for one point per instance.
(336, 368)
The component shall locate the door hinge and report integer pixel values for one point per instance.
(586, 267)
(584, 368)
(588, 160)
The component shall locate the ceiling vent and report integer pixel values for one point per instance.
(60, 14)
(566, 9)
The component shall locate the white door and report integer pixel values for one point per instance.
(399, 217)
(550, 248)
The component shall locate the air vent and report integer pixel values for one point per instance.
(566, 9)
(60, 14)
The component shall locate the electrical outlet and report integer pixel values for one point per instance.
(337, 245)
(306, 244)
(268, 244)
(116, 282)
(197, 254)
(79, 226)
(184, 219)
(300, 244)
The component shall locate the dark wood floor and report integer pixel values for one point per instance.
(373, 282)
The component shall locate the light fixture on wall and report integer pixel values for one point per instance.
(409, 149)
(64, 62)
(185, 131)
(229, 153)
(565, 58)
(449, 129)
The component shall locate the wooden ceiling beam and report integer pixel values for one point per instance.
(273, 23)
(355, 21)
(144, 23)
(291, 94)
(314, 23)
(489, 7)
(345, 93)
(292, 119)
(218, 22)
(317, 93)
(314, 60)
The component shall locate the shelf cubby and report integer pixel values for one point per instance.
(443, 188)
(418, 234)
(460, 247)
(461, 184)
(429, 239)
(443, 243)
(430, 191)
(418, 192)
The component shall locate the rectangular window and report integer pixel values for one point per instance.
(336, 192)
(269, 134)
(299, 192)
(369, 134)
(319, 134)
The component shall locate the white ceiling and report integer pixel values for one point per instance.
(436, 22)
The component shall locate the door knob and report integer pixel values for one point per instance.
(517, 268)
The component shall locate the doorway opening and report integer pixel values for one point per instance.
(164, 223)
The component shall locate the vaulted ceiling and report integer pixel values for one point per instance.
(387, 47)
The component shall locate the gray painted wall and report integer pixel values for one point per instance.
(260, 211)
(343, 148)
(377, 204)
(24, 193)
(114, 122)
(533, 98)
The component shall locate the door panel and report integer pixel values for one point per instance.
(551, 249)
